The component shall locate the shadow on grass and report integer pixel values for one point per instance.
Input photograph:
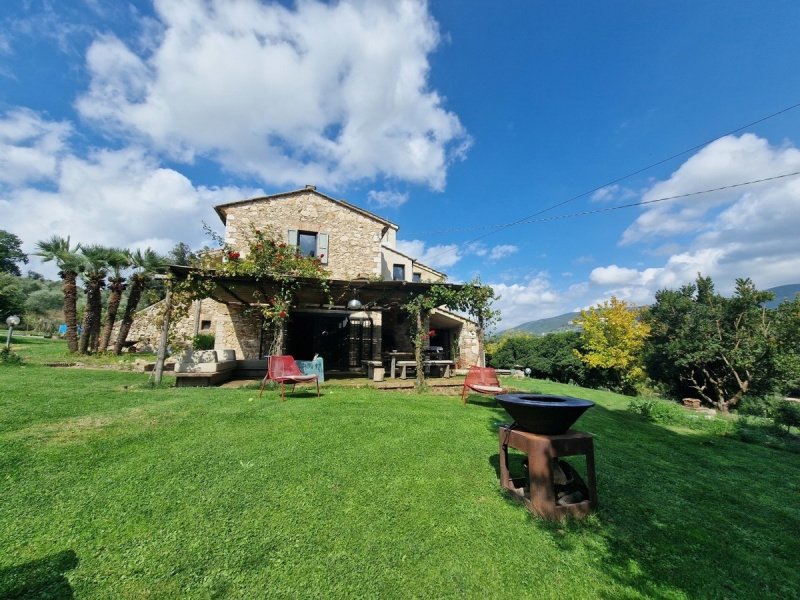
(43, 578)
(684, 512)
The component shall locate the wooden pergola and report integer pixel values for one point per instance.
(249, 291)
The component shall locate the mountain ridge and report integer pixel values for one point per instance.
(565, 322)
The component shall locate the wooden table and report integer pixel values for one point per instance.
(541, 450)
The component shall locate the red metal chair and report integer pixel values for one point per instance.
(285, 370)
(482, 380)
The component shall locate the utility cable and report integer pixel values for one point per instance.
(500, 227)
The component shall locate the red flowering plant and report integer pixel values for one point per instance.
(265, 260)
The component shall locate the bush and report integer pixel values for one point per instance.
(787, 414)
(203, 341)
(657, 411)
(755, 406)
(7, 357)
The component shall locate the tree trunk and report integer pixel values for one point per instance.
(70, 309)
(158, 371)
(422, 331)
(114, 299)
(89, 319)
(481, 353)
(137, 288)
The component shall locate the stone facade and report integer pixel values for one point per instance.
(352, 244)
(354, 238)
(145, 331)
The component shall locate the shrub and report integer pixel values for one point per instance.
(203, 341)
(787, 414)
(755, 406)
(657, 411)
(7, 357)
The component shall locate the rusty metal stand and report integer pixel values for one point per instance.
(541, 450)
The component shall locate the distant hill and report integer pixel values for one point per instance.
(542, 326)
(783, 292)
(564, 322)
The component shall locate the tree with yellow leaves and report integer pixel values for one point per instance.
(613, 339)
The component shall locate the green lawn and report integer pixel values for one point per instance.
(113, 490)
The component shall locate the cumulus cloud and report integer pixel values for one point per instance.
(750, 232)
(726, 161)
(502, 251)
(535, 298)
(113, 197)
(439, 256)
(30, 147)
(322, 93)
(386, 199)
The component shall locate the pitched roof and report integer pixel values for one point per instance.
(414, 260)
(222, 208)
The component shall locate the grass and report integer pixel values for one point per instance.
(37, 350)
(113, 489)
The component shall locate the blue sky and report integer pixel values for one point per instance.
(124, 123)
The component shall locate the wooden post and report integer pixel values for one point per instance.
(158, 371)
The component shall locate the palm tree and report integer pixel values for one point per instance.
(94, 278)
(118, 260)
(145, 264)
(69, 264)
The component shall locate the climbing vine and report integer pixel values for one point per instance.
(266, 260)
(473, 298)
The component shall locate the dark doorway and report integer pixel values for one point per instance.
(341, 341)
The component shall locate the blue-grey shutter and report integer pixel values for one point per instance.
(322, 248)
(291, 238)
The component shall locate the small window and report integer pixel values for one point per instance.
(205, 325)
(416, 277)
(307, 242)
(399, 272)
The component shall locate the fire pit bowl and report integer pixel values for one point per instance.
(541, 413)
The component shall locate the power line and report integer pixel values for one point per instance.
(654, 201)
(527, 218)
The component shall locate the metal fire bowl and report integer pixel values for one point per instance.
(544, 414)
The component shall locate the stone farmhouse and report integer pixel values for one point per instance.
(359, 250)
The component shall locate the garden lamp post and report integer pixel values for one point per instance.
(12, 322)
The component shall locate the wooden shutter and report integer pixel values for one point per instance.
(322, 248)
(291, 238)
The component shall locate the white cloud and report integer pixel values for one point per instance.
(727, 161)
(113, 197)
(321, 93)
(386, 198)
(534, 299)
(502, 251)
(440, 256)
(613, 192)
(751, 232)
(30, 147)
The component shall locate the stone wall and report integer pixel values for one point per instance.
(146, 327)
(354, 245)
(239, 330)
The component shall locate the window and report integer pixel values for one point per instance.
(307, 242)
(310, 243)
(399, 272)
(205, 325)
(416, 277)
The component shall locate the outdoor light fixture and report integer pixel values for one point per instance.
(354, 304)
(12, 322)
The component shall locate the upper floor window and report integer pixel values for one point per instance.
(416, 277)
(399, 272)
(307, 242)
(310, 243)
